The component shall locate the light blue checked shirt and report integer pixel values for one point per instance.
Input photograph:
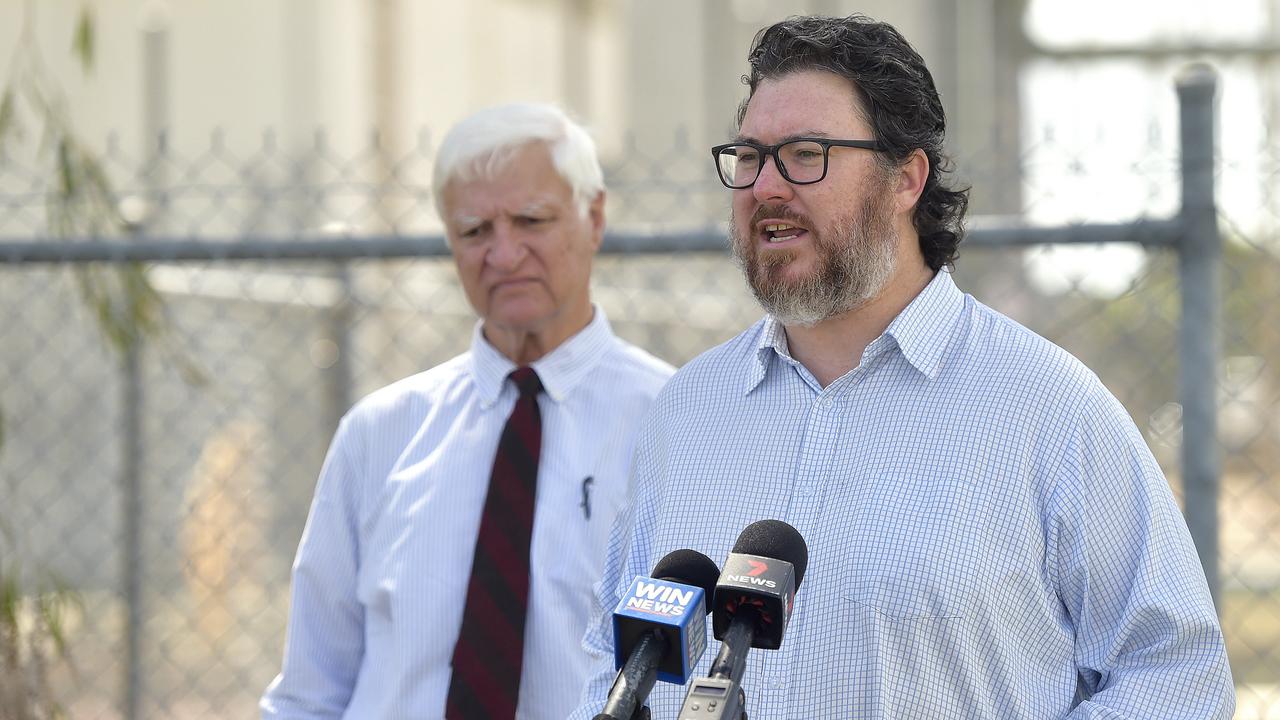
(381, 573)
(989, 536)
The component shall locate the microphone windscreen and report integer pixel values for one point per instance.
(775, 539)
(689, 567)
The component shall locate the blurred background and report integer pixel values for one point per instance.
(210, 212)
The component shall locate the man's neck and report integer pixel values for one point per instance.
(834, 346)
(525, 345)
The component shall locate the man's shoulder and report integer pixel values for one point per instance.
(637, 368)
(422, 389)
(725, 365)
(1013, 355)
(1010, 336)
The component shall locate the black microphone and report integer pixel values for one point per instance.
(753, 601)
(659, 630)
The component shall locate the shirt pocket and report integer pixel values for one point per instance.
(908, 598)
(573, 522)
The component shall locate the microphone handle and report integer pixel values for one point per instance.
(635, 679)
(720, 695)
(731, 661)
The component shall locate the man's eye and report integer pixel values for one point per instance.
(531, 220)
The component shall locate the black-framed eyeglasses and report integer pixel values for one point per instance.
(802, 161)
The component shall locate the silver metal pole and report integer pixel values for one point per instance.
(1199, 343)
(155, 86)
(132, 508)
(992, 232)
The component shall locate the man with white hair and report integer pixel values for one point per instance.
(461, 516)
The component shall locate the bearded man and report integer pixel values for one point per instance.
(989, 536)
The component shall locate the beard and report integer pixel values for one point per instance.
(855, 255)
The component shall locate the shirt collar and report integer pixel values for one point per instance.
(922, 331)
(560, 370)
(770, 342)
(924, 327)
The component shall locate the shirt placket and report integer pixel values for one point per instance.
(813, 473)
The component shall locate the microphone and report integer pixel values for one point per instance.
(752, 605)
(659, 631)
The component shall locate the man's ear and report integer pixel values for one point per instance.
(595, 214)
(910, 176)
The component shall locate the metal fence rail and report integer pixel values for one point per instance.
(214, 427)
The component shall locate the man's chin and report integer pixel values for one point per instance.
(786, 275)
(515, 318)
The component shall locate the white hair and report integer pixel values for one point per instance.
(480, 146)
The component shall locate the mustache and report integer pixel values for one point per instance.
(782, 212)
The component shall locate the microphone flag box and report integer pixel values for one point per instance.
(676, 611)
(766, 585)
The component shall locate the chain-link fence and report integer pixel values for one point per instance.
(167, 391)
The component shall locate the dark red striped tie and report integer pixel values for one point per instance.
(486, 660)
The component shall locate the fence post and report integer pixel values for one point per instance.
(155, 86)
(1199, 342)
(132, 509)
(341, 376)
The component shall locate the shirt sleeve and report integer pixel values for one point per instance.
(1147, 638)
(324, 643)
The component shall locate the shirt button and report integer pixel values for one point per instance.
(778, 682)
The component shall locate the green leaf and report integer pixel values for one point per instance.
(67, 184)
(52, 605)
(10, 597)
(8, 121)
(82, 41)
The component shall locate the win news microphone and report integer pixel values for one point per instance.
(659, 630)
(752, 604)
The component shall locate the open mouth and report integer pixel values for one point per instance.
(782, 232)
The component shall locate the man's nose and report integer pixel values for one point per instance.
(507, 249)
(770, 186)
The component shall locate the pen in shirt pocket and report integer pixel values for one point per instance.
(586, 497)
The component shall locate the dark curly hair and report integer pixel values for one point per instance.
(899, 101)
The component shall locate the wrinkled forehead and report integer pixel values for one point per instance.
(476, 208)
(526, 185)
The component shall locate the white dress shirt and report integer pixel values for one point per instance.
(381, 574)
(989, 537)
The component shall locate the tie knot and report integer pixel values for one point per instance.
(527, 381)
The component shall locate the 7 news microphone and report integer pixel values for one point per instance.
(752, 603)
(659, 631)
